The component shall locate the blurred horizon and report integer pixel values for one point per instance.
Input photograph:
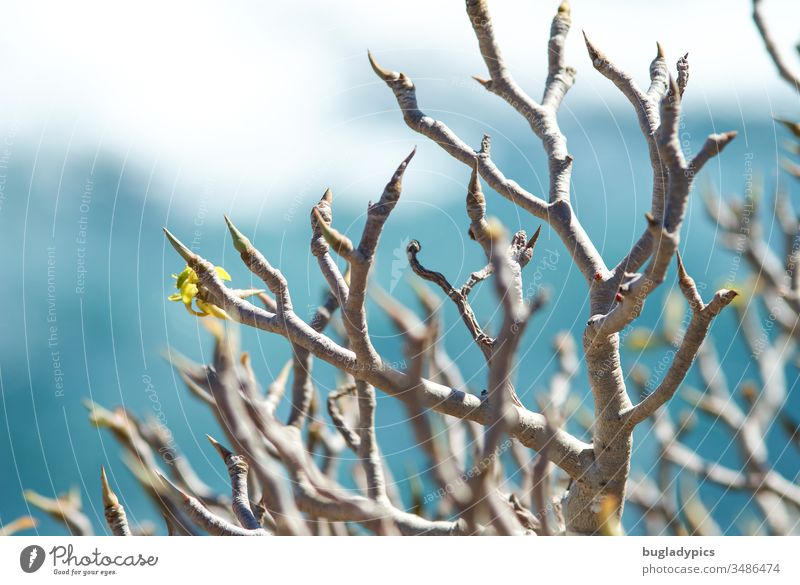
(254, 96)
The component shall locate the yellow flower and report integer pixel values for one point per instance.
(186, 282)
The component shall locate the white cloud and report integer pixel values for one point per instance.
(277, 95)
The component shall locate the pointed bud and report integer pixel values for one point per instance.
(726, 296)
(594, 54)
(240, 242)
(185, 252)
(486, 83)
(682, 274)
(395, 184)
(793, 127)
(171, 486)
(532, 242)
(674, 93)
(244, 293)
(324, 207)
(385, 74)
(109, 497)
(476, 202)
(223, 452)
(283, 376)
(339, 242)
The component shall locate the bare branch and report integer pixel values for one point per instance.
(568, 452)
(623, 80)
(206, 519)
(258, 265)
(349, 435)
(560, 77)
(64, 508)
(712, 147)
(659, 75)
(702, 316)
(114, 512)
(665, 237)
(483, 341)
(322, 216)
(237, 470)
(18, 525)
(558, 214)
(784, 70)
(368, 445)
(683, 73)
(162, 442)
(361, 260)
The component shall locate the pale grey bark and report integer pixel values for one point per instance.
(784, 70)
(114, 512)
(617, 297)
(658, 111)
(65, 508)
(298, 494)
(237, 471)
(207, 520)
(693, 338)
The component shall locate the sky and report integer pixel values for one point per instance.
(264, 97)
(255, 108)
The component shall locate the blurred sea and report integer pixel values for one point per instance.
(86, 273)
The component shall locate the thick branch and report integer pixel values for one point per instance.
(368, 445)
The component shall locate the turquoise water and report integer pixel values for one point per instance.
(86, 274)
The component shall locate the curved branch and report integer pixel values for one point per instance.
(483, 341)
(702, 316)
(784, 70)
(206, 519)
(237, 471)
(558, 213)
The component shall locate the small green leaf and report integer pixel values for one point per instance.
(187, 284)
(222, 273)
(183, 277)
(193, 312)
(188, 292)
(213, 310)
